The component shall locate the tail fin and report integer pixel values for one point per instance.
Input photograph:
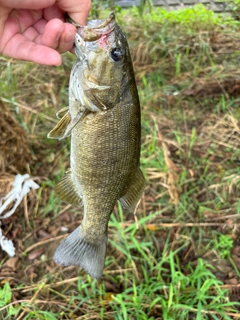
(75, 250)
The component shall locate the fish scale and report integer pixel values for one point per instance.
(103, 121)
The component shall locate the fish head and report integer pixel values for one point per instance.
(102, 47)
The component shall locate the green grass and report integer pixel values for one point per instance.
(182, 260)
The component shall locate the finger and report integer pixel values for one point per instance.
(53, 12)
(24, 18)
(21, 48)
(40, 25)
(4, 12)
(78, 10)
(17, 22)
(67, 38)
(56, 34)
(31, 33)
(27, 4)
(51, 33)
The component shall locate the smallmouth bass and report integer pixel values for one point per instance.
(103, 120)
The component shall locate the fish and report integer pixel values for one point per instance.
(103, 121)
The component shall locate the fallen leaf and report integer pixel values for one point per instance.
(151, 227)
(36, 253)
(11, 263)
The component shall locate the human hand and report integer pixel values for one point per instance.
(35, 30)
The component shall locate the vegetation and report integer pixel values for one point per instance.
(180, 257)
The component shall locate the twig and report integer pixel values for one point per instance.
(135, 270)
(28, 109)
(177, 224)
(60, 283)
(36, 301)
(230, 216)
(118, 271)
(44, 242)
(51, 285)
(134, 213)
(26, 210)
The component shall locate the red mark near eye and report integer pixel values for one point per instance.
(103, 40)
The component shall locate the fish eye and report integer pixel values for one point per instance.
(116, 54)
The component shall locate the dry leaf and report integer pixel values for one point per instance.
(36, 253)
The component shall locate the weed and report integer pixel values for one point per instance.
(224, 245)
(5, 299)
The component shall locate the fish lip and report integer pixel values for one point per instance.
(71, 21)
(104, 23)
(94, 32)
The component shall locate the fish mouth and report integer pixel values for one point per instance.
(95, 29)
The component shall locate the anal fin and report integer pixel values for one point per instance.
(134, 191)
(67, 191)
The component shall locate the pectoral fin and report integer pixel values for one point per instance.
(134, 191)
(65, 125)
(62, 112)
(58, 132)
(67, 191)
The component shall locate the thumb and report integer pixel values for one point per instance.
(77, 10)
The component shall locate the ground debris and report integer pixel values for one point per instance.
(213, 87)
(14, 149)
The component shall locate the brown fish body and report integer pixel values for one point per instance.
(107, 153)
(105, 145)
